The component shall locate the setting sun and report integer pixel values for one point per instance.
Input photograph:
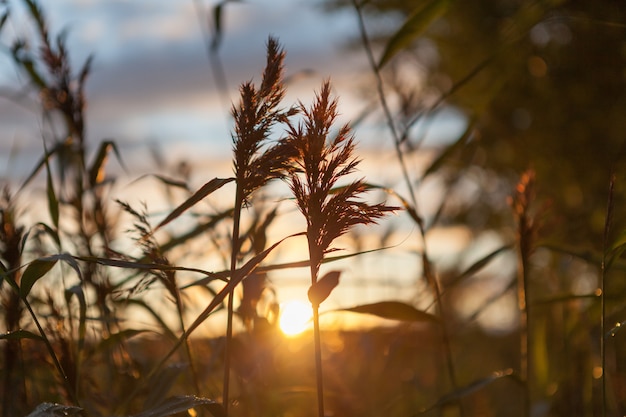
(294, 317)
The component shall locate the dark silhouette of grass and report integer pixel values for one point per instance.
(69, 292)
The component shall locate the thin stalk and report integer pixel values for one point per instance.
(383, 102)
(318, 361)
(192, 365)
(317, 338)
(522, 291)
(405, 174)
(603, 271)
(526, 229)
(229, 320)
(55, 359)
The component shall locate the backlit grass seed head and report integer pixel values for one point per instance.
(254, 118)
(320, 163)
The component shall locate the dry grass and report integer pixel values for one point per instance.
(68, 292)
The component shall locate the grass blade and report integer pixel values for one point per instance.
(34, 271)
(205, 190)
(414, 26)
(320, 290)
(394, 310)
(470, 389)
(451, 149)
(55, 410)
(20, 334)
(179, 404)
(53, 202)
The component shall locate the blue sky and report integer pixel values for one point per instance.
(152, 81)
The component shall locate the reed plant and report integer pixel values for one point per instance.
(71, 279)
(330, 211)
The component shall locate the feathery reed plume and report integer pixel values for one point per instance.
(255, 163)
(330, 211)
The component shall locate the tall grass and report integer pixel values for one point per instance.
(68, 289)
(330, 211)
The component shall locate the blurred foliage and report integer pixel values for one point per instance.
(549, 94)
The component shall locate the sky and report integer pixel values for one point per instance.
(152, 81)
(152, 87)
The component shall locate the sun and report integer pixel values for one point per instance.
(295, 317)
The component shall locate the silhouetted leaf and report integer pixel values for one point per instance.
(40, 164)
(53, 202)
(167, 181)
(470, 389)
(34, 271)
(239, 275)
(617, 249)
(55, 410)
(562, 298)
(182, 403)
(120, 263)
(320, 291)
(97, 171)
(414, 26)
(217, 26)
(47, 230)
(158, 316)
(116, 339)
(394, 310)
(77, 290)
(451, 149)
(204, 191)
(3, 19)
(478, 265)
(20, 334)
(223, 275)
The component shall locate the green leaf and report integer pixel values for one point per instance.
(204, 191)
(181, 403)
(34, 271)
(320, 291)
(413, 27)
(394, 310)
(20, 334)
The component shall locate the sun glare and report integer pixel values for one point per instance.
(294, 317)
